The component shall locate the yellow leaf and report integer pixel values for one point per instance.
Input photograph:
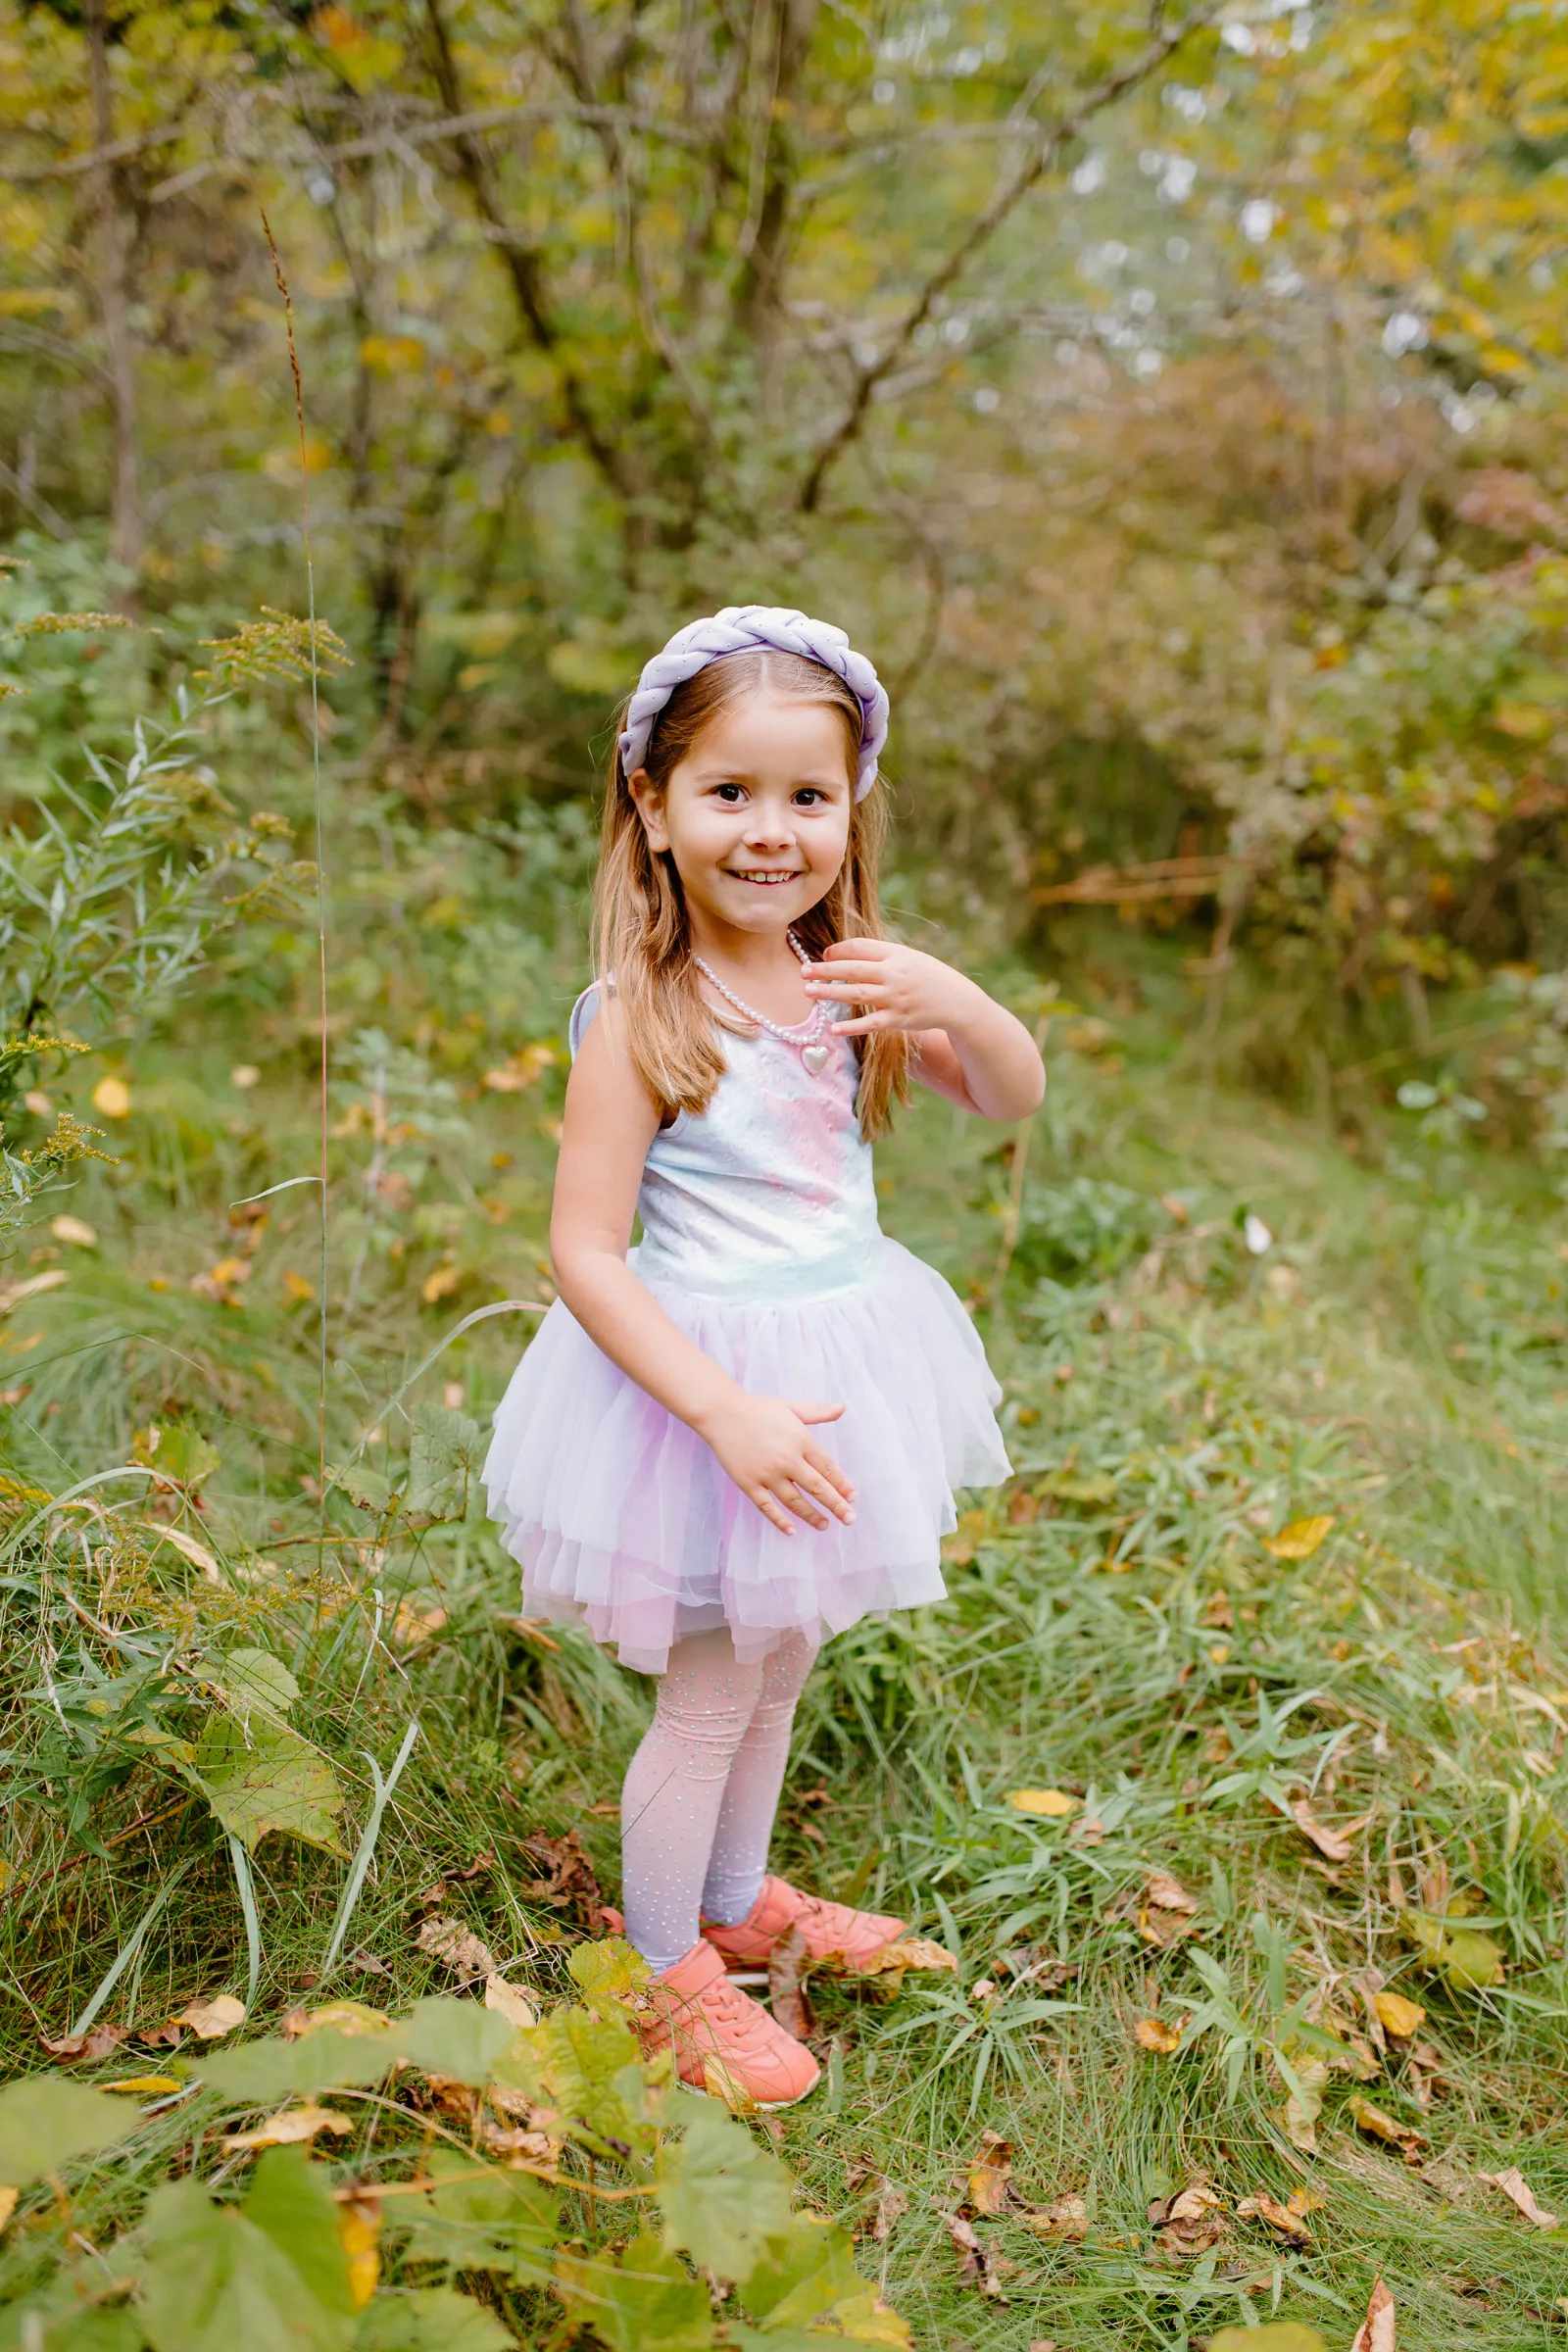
(8, 2204)
(287, 2129)
(511, 2003)
(74, 1229)
(282, 465)
(199, 1557)
(112, 1097)
(1300, 1539)
(990, 2174)
(1152, 2033)
(209, 2019)
(142, 2087)
(440, 1283)
(358, 2227)
(1054, 1804)
(1302, 2112)
(1397, 2016)
(908, 1951)
(1373, 2121)
(1527, 722)
(392, 355)
(297, 1292)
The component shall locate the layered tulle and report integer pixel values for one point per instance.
(624, 1522)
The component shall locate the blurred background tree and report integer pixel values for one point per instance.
(1170, 398)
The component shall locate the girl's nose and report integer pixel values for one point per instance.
(769, 828)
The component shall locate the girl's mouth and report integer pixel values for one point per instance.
(760, 874)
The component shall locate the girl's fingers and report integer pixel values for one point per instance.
(797, 1498)
(847, 975)
(865, 1026)
(865, 951)
(826, 1467)
(811, 1413)
(773, 1512)
(813, 1482)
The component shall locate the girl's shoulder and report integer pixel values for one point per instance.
(583, 1015)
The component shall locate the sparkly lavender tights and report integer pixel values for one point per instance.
(698, 1806)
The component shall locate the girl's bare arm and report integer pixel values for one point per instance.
(967, 1046)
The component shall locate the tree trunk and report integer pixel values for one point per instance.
(125, 530)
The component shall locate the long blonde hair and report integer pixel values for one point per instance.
(642, 932)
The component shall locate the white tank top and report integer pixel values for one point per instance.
(767, 1195)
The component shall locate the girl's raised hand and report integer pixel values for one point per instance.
(763, 1443)
(896, 986)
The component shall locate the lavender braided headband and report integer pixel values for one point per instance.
(747, 629)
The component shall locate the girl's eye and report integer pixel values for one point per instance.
(729, 793)
(809, 796)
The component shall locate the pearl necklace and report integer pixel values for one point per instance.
(810, 1048)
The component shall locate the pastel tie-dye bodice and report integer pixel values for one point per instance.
(769, 1194)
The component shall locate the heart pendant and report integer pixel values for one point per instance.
(815, 1058)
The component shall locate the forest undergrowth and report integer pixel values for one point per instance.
(1228, 1778)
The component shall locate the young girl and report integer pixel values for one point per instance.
(660, 1465)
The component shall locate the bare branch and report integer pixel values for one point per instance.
(1004, 199)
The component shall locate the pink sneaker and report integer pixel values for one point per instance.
(724, 2041)
(827, 1929)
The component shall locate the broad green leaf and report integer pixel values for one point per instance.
(447, 1450)
(721, 2196)
(79, 2330)
(640, 2299)
(432, 2319)
(606, 1970)
(479, 2218)
(213, 2283)
(1284, 2335)
(262, 1775)
(1470, 1961)
(576, 2062)
(365, 1488)
(259, 2074)
(801, 2273)
(462, 2040)
(46, 2122)
(255, 1679)
(53, 2319)
(289, 2199)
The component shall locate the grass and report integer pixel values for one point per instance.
(1118, 1629)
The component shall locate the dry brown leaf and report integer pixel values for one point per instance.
(789, 1964)
(1188, 2224)
(343, 2017)
(1066, 2219)
(1051, 1804)
(1288, 2220)
(1373, 2119)
(1514, 2187)
(1088, 1832)
(197, 1554)
(890, 2207)
(1300, 1539)
(1376, 2332)
(908, 1951)
(210, 2020)
(533, 2147)
(435, 1894)
(288, 2129)
(511, 2003)
(569, 1883)
(989, 2174)
(1397, 2016)
(101, 2042)
(1303, 2110)
(1168, 1894)
(1152, 2033)
(448, 1939)
(979, 2265)
(1335, 1845)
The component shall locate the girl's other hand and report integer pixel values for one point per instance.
(763, 1443)
(895, 987)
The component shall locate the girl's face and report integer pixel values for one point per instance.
(756, 815)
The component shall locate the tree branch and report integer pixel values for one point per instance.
(1006, 196)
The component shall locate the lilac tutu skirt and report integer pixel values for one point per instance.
(624, 1522)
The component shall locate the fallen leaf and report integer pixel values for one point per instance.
(448, 1939)
(569, 1883)
(111, 1095)
(75, 1230)
(1281, 2335)
(143, 2086)
(359, 2229)
(286, 2131)
(1514, 2187)
(1397, 2016)
(8, 2204)
(1300, 1539)
(1152, 2033)
(1470, 1961)
(1376, 2332)
(1446, 2180)
(534, 2147)
(511, 2003)
(210, 2020)
(1303, 2107)
(892, 2205)
(788, 1966)
(440, 1283)
(1167, 1893)
(435, 1894)
(1373, 2121)
(32, 1286)
(989, 2174)
(909, 1952)
(101, 2042)
(978, 2265)
(1188, 2224)
(197, 1554)
(1288, 2220)
(411, 1625)
(1335, 1845)
(1053, 1804)
(1066, 2219)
